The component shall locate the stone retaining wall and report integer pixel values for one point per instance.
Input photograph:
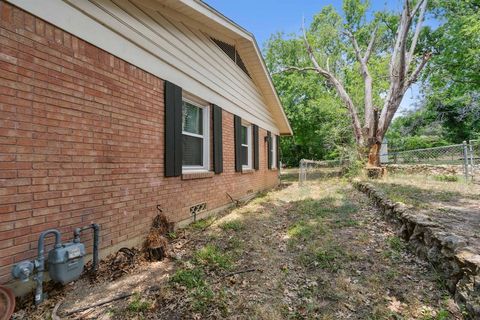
(433, 169)
(448, 253)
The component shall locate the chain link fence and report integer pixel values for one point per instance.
(465, 156)
(312, 169)
(474, 158)
(458, 159)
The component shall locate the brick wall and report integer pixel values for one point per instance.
(81, 141)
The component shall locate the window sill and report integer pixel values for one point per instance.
(247, 171)
(197, 175)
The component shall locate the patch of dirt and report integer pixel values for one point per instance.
(315, 252)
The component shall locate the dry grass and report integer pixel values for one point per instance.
(314, 252)
(425, 190)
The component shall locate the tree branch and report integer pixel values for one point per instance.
(368, 81)
(417, 32)
(414, 76)
(357, 128)
(293, 68)
(356, 47)
(371, 44)
(420, 4)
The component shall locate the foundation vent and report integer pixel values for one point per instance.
(196, 209)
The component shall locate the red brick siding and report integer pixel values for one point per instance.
(81, 141)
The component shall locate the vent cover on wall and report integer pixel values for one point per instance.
(196, 209)
(232, 53)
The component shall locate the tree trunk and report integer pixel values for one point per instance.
(374, 155)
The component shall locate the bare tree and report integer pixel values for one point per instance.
(403, 73)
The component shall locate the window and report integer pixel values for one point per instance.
(246, 146)
(273, 145)
(195, 129)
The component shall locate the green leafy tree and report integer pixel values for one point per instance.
(450, 110)
(452, 80)
(366, 64)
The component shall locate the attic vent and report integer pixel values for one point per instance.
(196, 209)
(232, 53)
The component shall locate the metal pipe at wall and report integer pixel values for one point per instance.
(96, 240)
(41, 261)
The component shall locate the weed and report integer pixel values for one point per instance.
(235, 243)
(172, 235)
(189, 278)
(137, 304)
(348, 222)
(446, 178)
(202, 224)
(202, 298)
(211, 255)
(235, 225)
(396, 244)
(443, 315)
(392, 274)
(326, 259)
(300, 230)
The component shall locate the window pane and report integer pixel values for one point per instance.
(192, 118)
(192, 151)
(244, 135)
(245, 156)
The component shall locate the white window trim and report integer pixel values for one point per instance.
(205, 137)
(274, 152)
(249, 126)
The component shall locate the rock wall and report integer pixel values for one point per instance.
(428, 169)
(448, 253)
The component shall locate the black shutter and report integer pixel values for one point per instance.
(217, 140)
(256, 160)
(173, 130)
(278, 151)
(237, 122)
(269, 146)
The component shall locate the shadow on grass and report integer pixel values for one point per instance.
(420, 197)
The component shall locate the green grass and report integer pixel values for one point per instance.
(235, 225)
(202, 224)
(446, 178)
(212, 256)
(301, 230)
(137, 304)
(189, 278)
(396, 247)
(396, 244)
(200, 292)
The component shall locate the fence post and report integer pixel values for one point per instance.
(300, 173)
(472, 165)
(465, 159)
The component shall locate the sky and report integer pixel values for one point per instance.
(265, 17)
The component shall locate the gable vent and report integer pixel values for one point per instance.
(232, 53)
